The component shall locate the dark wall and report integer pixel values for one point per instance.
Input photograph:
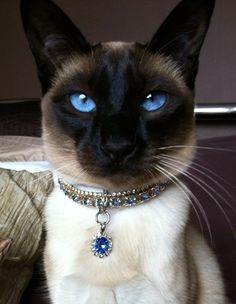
(121, 20)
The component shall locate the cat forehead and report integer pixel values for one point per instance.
(114, 56)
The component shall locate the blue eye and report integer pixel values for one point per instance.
(82, 103)
(154, 101)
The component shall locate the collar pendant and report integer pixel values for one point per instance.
(101, 244)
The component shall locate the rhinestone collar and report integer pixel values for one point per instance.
(107, 199)
(101, 244)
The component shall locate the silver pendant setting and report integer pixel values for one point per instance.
(101, 245)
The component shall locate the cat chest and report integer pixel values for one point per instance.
(136, 233)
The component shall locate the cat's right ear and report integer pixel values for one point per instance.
(52, 37)
(181, 35)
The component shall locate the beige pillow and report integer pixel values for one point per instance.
(22, 198)
(21, 148)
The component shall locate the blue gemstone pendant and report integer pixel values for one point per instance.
(101, 245)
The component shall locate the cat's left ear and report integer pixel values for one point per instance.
(52, 37)
(182, 34)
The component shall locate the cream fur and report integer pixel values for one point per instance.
(156, 257)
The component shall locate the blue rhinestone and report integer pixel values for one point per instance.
(75, 198)
(101, 245)
(87, 201)
(99, 202)
(144, 196)
(157, 190)
(130, 200)
(115, 202)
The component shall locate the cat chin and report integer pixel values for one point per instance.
(123, 181)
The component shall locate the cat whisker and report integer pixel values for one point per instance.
(205, 187)
(188, 194)
(149, 172)
(52, 171)
(197, 147)
(194, 163)
(167, 158)
(195, 177)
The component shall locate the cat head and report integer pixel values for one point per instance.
(115, 113)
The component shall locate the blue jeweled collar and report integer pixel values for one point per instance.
(111, 199)
(101, 245)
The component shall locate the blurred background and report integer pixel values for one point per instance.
(132, 20)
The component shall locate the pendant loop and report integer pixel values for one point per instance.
(101, 244)
(102, 217)
(103, 228)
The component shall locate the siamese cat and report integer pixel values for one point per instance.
(114, 116)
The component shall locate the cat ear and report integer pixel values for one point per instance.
(52, 37)
(182, 34)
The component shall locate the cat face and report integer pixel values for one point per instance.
(111, 110)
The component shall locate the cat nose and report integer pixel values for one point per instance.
(118, 151)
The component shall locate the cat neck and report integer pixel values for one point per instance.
(106, 199)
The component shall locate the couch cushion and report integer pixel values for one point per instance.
(22, 198)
